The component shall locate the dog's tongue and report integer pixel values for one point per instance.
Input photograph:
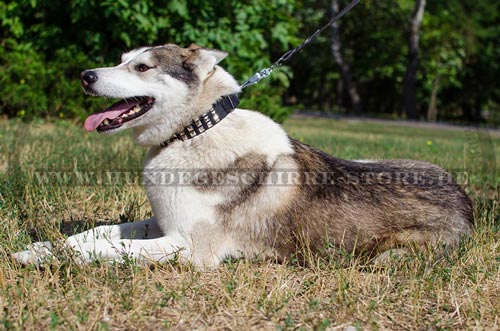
(93, 121)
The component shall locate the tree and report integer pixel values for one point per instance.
(345, 72)
(448, 63)
(409, 93)
(44, 44)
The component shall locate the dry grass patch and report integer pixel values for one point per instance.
(458, 291)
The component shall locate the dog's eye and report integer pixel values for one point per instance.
(142, 67)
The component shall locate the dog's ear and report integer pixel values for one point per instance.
(204, 59)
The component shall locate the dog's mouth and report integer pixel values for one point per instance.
(119, 113)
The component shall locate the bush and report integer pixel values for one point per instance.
(32, 87)
(47, 43)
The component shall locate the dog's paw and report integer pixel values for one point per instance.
(37, 254)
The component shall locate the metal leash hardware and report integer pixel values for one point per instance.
(258, 76)
(289, 54)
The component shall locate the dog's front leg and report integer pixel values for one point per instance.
(41, 252)
(141, 250)
(147, 229)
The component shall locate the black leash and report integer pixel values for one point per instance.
(228, 103)
(288, 55)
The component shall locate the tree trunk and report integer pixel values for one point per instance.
(409, 93)
(345, 72)
(432, 111)
(340, 94)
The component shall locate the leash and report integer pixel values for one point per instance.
(289, 54)
(228, 103)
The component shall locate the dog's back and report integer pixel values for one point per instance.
(371, 206)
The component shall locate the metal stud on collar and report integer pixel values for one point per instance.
(217, 113)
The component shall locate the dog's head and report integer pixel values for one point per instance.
(151, 82)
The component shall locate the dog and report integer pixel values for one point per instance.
(251, 190)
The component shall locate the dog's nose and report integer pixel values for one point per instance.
(88, 77)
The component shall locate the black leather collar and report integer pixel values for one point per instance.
(219, 110)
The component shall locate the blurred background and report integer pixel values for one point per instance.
(405, 59)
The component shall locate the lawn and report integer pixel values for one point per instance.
(460, 290)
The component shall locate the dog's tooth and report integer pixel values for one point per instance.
(106, 122)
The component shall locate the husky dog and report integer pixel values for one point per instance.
(266, 194)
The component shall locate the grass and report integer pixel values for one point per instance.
(461, 290)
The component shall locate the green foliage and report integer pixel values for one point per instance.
(458, 42)
(32, 86)
(456, 36)
(47, 43)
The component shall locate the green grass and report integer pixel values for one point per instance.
(458, 291)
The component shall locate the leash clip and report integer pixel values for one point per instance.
(257, 77)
